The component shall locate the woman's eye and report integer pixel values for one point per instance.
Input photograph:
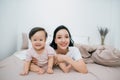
(66, 36)
(59, 37)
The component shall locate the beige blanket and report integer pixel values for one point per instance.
(12, 66)
(106, 55)
(101, 54)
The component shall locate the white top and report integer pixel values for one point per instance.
(74, 53)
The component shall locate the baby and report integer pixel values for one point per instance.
(42, 52)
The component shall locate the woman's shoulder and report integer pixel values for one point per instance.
(73, 47)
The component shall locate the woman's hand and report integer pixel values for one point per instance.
(34, 60)
(77, 65)
(61, 58)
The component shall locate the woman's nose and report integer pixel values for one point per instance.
(63, 40)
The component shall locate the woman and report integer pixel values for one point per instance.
(67, 56)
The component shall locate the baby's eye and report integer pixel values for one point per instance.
(41, 39)
(35, 40)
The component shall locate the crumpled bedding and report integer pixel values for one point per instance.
(12, 66)
(106, 55)
(100, 54)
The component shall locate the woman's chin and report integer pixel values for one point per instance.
(63, 48)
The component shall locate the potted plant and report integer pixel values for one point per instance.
(103, 32)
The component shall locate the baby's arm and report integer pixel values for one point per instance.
(26, 68)
(50, 64)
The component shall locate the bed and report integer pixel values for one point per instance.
(103, 63)
(12, 66)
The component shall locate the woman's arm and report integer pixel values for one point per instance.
(78, 65)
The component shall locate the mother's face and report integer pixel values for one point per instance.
(62, 39)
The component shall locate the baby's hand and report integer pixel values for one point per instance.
(41, 71)
(49, 71)
(24, 73)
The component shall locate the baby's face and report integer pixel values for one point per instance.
(38, 40)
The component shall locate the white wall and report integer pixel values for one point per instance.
(8, 28)
(115, 23)
(81, 16)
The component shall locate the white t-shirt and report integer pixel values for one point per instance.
(74, 53)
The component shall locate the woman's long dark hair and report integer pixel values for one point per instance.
(53, 44)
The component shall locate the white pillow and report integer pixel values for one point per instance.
(25, 42)
(21, 54)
